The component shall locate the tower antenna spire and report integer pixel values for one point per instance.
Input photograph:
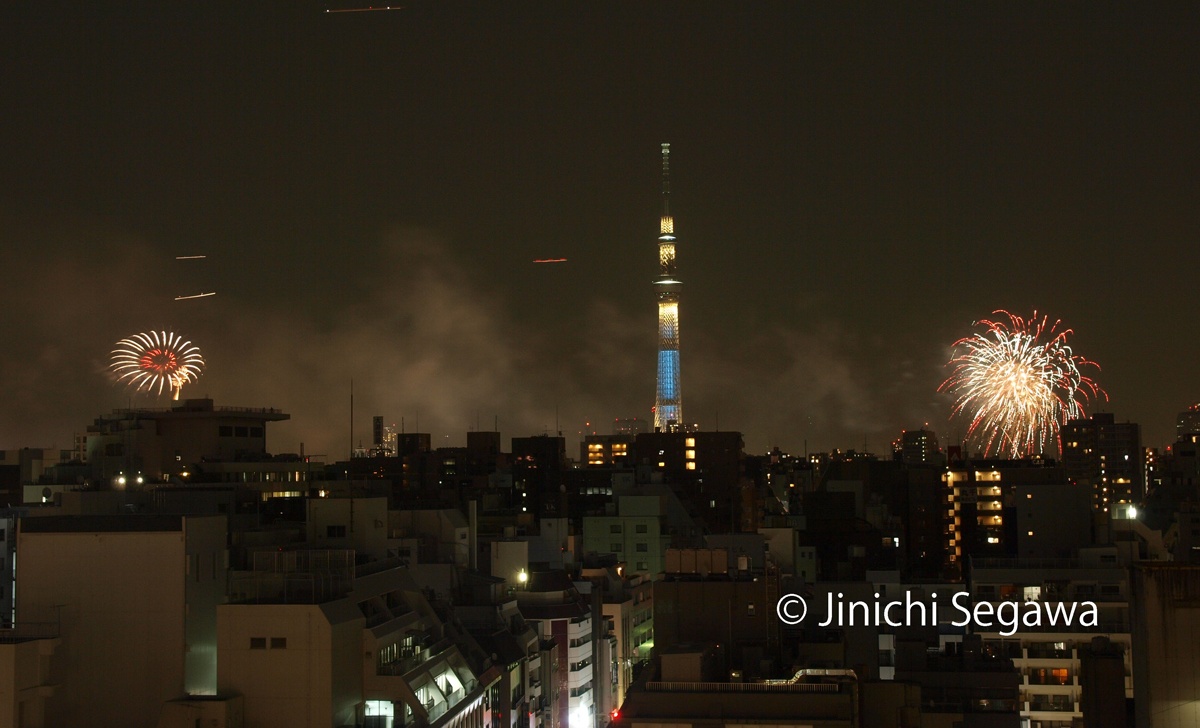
(668, 405)
(666, 187)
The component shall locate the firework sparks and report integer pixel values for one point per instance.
(1019, 382)
(156, 361)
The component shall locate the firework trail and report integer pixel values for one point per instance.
(1019, 382)
(156, 361)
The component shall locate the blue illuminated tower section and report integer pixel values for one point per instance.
(668, 404)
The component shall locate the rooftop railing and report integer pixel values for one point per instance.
(28, 631)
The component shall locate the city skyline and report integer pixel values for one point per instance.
(370, 190)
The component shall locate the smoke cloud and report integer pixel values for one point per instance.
(429, 342)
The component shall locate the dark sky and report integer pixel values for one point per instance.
(853, 186)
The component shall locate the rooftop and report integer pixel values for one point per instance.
(124, 523)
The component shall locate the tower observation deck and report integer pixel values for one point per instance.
(668, 404)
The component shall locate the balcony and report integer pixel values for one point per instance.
(437, 709)
(1056, 678)
(1052, 704)
(1044, 651)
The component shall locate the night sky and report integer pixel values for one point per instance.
(853, 186)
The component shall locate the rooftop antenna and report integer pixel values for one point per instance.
(352, 418)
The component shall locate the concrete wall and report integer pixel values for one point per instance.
(120, 597)
(25, 683)
(314, 679)
(1166, 630)
(599, 538)
(364, 521)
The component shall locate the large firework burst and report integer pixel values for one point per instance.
(156, 361)
(1019, 382)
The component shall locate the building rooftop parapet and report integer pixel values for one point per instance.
(745, 687)
(29, 631)
(1028, 562)
(190, 409)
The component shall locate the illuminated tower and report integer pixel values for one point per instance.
(668, 404)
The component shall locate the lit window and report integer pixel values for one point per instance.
(691, 466)
(689, 442)
(690, 454)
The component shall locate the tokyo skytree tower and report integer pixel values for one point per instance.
(668, 404)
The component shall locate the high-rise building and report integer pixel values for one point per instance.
(157, 443)
(383, 438)
(705, 469)
(920, 447)
(606, 450)
(1107, 455)
(1187, 425)
(538, 464)
(668, 404)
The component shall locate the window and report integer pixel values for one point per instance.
(256, 432)
(615, 548)
(641, 528)
(642, 548)
(225, 431)
(615, 528)
(258, 643)
(641, 566)
(335, 531)
(241, 431)
(750, 610)
(279, 643)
